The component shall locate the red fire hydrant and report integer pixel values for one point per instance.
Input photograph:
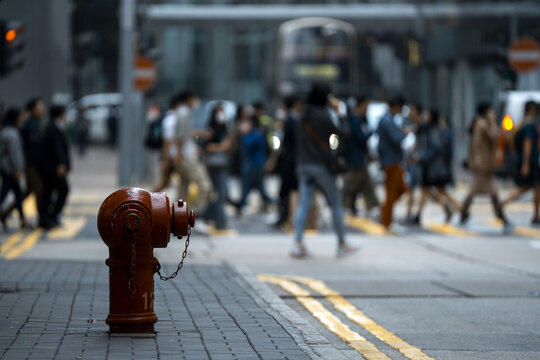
(132, 222)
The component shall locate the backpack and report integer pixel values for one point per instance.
(154, 134)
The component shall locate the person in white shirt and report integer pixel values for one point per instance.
(168, 129)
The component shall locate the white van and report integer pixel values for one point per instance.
(513, 104)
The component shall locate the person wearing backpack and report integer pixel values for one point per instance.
(527, 172)
(434, 159)
(168, 143)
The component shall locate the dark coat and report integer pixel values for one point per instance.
(309, 151)
(390, 138)
(357, 149)
(32, 136)
(56, 150)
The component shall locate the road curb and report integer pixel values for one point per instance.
(306, 336)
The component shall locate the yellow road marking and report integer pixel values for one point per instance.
(69, 229)
(10, 242)
(448, 229)
(366, 225)
(526, 231)
(27, 244)
(330, 321)
(343, 305)
(519, 230)
(29, 206)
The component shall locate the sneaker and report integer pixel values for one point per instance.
(299, 251)
(507, 228)
(346, 249)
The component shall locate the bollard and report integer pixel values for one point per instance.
(132, 222)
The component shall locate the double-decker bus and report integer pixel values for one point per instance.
(316, 49)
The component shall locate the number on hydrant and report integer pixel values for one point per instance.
(132, 222)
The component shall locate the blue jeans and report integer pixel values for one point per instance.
(253, 178)
(310, 177)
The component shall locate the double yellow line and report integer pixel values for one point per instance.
(336, 326)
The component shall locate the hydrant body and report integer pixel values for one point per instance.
(132, 222)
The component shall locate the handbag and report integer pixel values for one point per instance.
(334, 162)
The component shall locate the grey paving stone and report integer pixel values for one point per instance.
(59, 310)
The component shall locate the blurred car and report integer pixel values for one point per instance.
(96, 109)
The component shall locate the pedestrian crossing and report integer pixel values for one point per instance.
(78, 214)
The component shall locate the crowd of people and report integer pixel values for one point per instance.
(34, 160)
(310, 143)
(322, 138)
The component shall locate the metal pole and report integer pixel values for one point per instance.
(127, 27)
(513, 28)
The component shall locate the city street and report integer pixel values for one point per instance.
(436, 291)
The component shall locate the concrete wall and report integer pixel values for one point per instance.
(47, 51)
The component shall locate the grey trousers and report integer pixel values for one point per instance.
(358, 181)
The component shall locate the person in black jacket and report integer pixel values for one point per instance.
(56, 165)
(287, 157)
(32, 135)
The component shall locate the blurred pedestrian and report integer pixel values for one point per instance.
(169, 148)
(112, 125)
(32, 135)
(527, 171)
(316, 165)
(264, 123)
(243, 114)
(187, 161)
(413, 168)
(12, 162)
(56, 165)
(391, 156)
(287, 157)
(484, 135)
(357, 178)
(82, 127)
(254, 156)
(217, 148)
(434, 159)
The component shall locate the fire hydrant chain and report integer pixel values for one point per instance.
(180, 265)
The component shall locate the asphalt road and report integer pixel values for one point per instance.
(436, 291)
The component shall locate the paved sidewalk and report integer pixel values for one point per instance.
(57, 310)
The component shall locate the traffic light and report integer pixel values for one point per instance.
(11, 43)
